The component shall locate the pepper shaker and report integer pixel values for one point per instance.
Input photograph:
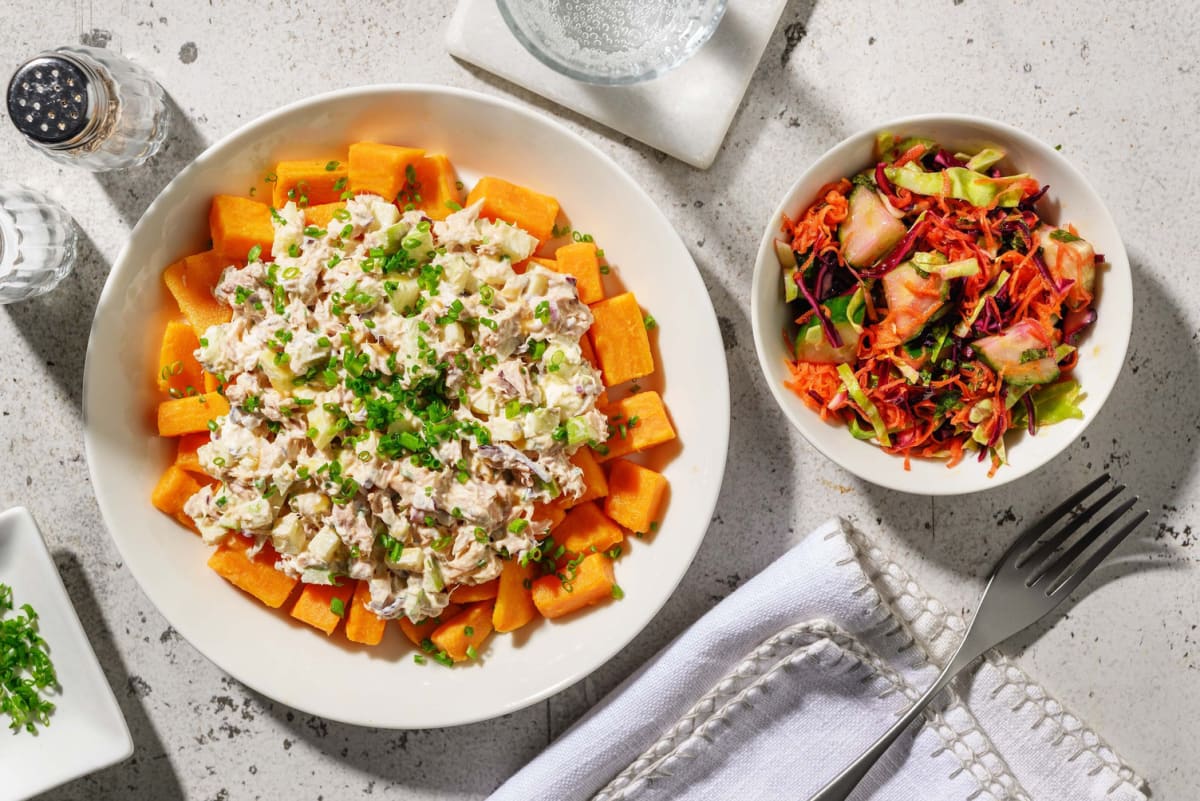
(37, 243)
(88, 107)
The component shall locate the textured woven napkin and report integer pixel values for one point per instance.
(787, 680)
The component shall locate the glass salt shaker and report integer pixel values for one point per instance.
(89, 107)
(37, 243)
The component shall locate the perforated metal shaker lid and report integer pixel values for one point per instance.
(53, 100)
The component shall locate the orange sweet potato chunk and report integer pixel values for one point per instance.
(549, 264)
(191, 281)
(178, 369)
(381, 169)
(362, 625)
(470, 593)
(322, 215)
(310, 182)
(256, 576)
(187, 455)
(466, 630)
(594, 483)
(417, 633)
(191, 414)
(637, 422)
(522, 207)
(579, 259)
(238, 224)
(587, 530)
(514, 601)
(635, 495)
(592, 584)
(551, 513)
(211, 382)
(173, 490)
(323, 606)
(437, 186)
(620, 341)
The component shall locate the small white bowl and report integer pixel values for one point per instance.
(87, 731)
(1102, 349)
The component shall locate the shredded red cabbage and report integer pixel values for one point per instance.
(944, 158)
(900, 252)
(1030, 414)
(831, 334)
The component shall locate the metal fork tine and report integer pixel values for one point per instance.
(1035, 532)
(1056, 571)
(1068, 586)
(1038, 557)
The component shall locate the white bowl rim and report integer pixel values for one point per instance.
(719, 397)
(802, 418)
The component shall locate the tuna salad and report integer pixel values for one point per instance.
(401, 401)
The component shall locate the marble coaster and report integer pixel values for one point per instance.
(684, 113)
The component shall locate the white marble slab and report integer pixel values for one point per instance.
(684, 113)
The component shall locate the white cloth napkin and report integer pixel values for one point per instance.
(787, 680)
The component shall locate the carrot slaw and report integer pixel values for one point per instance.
(935, 310)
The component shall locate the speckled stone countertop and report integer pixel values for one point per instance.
(1117, 87)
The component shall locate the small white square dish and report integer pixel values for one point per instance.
(87, 731)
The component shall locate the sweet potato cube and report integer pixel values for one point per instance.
(594, 483)
(470, 593)
(514, 602)
(461, 636)
(522, 207)
(322, 215)
(620, 340)
(310, 182)
(586, 530)
(635, 495)
(178, 369)
(549, 264)
(437, 186)
(191, 414)
(592, 584)
(362, 625)
(579, 259)
(173, 490)
(238, 224)
(187, 455)
(417, 633)
(191, 281)
(381, 169)
(323, 606)
(256, 576)
(211, 382)
(552, 513)
(637, 422)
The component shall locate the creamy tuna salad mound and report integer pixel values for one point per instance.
(401, 399)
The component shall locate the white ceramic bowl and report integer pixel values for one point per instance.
(286, 660)
(1102, 349)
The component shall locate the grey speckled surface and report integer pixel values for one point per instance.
(1115, 83)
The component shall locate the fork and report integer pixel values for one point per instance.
(1030, 580)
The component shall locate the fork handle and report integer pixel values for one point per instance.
(842, 785)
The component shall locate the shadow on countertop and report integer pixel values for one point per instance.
(56, 325)
(149, 769)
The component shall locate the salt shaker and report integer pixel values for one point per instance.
(89, 107)
(37, 243)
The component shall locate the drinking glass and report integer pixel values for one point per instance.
(612, 42)
(37, 243)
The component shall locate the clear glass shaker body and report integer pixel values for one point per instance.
(88, 107)
(37, 243)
